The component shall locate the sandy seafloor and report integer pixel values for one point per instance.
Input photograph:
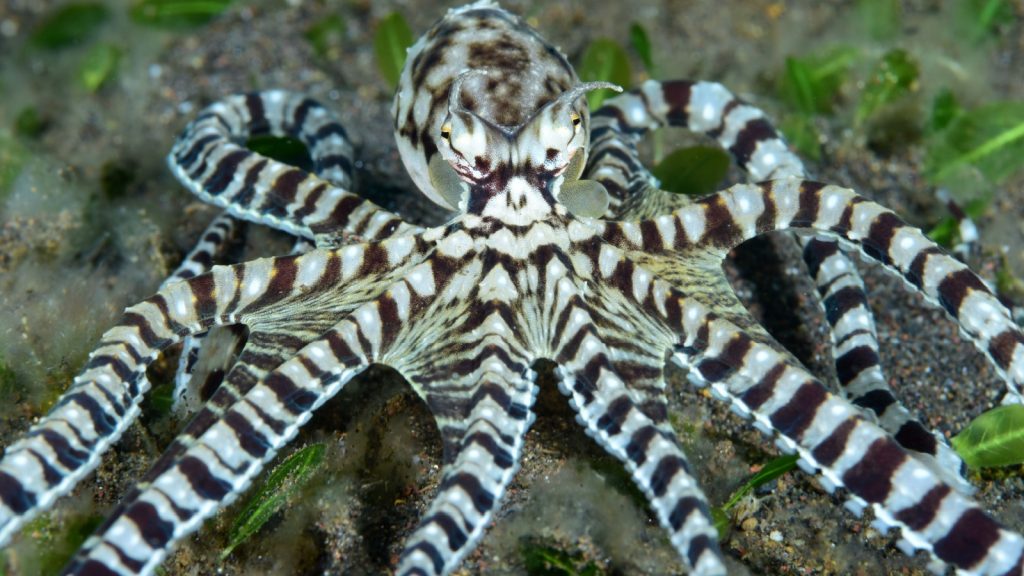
(72, 256)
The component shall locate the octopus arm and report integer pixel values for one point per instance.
(281, 378)
(67, 443)
(210, 160)
(209, 469)
(210, 248)
(858, 366)
(619, 399)
(758, 148)
(730, 217)
(847, 450)
(483, 410)
(104, 399)
(462, 355)
(831, 435)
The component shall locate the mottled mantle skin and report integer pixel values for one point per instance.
(523, 74)
(523, 271)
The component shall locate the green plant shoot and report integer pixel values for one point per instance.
(996, 438)
(177, 13)
(800, 131)
(99, 66)
(604, 60)
(393, 39)
(13, 157)
(642, 44)
(272, 495)
(982, 17)
(945, 109)
(770, 471)
(990, 138)
(894, 76)
(693, 171)
(325, 33)
(69, 25)
(810, 85)
(539, 560)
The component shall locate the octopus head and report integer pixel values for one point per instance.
(518, 173)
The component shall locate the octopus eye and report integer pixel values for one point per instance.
(446, 132)
(576, 120)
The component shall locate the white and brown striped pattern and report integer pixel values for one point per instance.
(730, 217)
(846, 449)
(215, 134)
(463, 310)
(761, 152)
(67, 443)
(855, 346)
(200, 259)
(830, 434)
(211, 161)
(269, 393)
(486, 413)
(616, 415)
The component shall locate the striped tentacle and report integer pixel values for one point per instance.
(747, 134)
(858, 369)
(469, 359)
(760, 151)
(222, 462)
(835, 441)
(743, 130)
(210, 247)
(258, 410)
(331, 159)
(742, 212)
(483, 413)
(261, 344)
(830, 434)
(614, 161)
(210, 162)
(968, 247)
(208, 356)
(329, 284)
(263, 351)
(701, 107)
(104, 399)
(637, 342)
(620, 420)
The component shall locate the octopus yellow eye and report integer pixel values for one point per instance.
(446, 131)
(576, 120)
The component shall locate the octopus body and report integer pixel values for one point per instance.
(560, 247)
